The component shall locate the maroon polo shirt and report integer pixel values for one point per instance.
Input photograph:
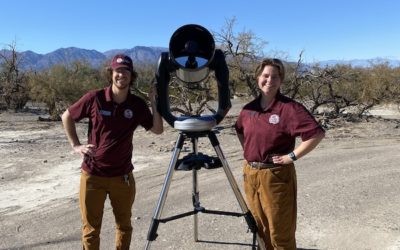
(111, 128)
(274, 131)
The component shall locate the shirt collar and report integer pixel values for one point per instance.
(277, 98)
(108, 93)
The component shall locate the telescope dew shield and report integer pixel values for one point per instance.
(191, 49)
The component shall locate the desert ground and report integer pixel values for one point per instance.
(348, 188)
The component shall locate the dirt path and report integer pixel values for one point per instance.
(348, 198)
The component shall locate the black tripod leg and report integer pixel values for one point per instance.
(152, 234)
(247, 214)
(195, 193)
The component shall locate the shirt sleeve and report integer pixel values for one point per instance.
(305, 124)
(239, 124)
(81, 108)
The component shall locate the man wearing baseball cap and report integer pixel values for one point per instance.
(114, 113)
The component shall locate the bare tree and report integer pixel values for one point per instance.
(336, 89)
(13, 86)
(192, 99)
(294, 78)
(243, 51)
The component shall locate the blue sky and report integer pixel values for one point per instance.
(323, 29)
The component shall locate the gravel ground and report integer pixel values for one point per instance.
(348, 190)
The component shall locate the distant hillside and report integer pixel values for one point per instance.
(33, 61)
(140, 55)
(361, 62)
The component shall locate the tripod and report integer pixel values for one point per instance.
(152, 233)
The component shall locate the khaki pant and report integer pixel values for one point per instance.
(93, 193)
(271, 196)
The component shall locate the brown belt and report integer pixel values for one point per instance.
(261, 165)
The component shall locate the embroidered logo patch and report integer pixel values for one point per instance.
(274, 119)
(128, 113)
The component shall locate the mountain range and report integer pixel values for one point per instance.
(30, 60)
(362, 62)
(139, 54)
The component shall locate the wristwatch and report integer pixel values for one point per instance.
(292, 156)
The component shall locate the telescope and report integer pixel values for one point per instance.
(191, 57)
